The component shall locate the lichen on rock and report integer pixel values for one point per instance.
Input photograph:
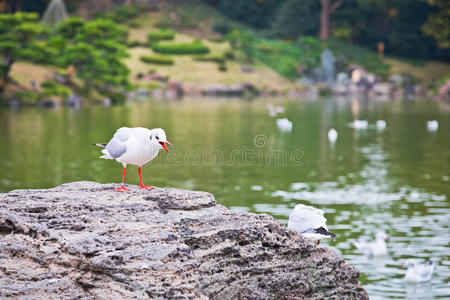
(82, 240)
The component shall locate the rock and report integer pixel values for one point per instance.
(74, 101)
(444, 90)
(342, 79)
(382, 88)
(231, 90)
(397, 79)
(49, 103)
(327, 63)
(246, 69)
(82, 240)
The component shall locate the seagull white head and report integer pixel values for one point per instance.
(158, 139)
(410, 263)
(382, 236)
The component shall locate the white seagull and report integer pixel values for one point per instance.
(432, 125)
(284, 124)
(332, 135)
(135, 146)
(359, 124)
(381, 125)
(376, 248)
(418, 272)
(275, 110)
(309, 222)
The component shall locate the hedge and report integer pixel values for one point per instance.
(132, 44)
(160, 60)
(181, 48)
(216, 59)
(163, 34)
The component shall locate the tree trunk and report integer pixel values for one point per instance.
(4, 78)
(324, 19)
(327, 8)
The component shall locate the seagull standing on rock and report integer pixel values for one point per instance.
(309, 222)
(135, 146)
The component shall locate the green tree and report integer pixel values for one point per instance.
(242, 40)
(256, 13)
(296, 18)
(17, 41)
(438, 24)
(95, 49)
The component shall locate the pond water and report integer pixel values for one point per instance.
(396, 180)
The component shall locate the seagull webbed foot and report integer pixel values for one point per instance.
(149, 188)
(121, 189)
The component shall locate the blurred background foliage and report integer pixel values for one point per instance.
(417, 29)
(287, 36)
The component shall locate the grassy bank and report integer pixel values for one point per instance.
(273, 65)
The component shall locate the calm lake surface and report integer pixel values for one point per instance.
(396, 180)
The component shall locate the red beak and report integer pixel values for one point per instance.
(163, 144)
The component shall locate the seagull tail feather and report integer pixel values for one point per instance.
(99, 144)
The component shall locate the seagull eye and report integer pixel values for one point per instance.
(157, 138)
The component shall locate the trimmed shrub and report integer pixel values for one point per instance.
(51, 88)
(181, 48)
(216, 59)
(132, 44)
(229, 54)
(124, 13)
(28, 97)
(134, 24)
(155, 59)
(217, 39)
(222, 28)
(160, 35)
(223, 67)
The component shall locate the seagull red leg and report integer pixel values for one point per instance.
(141, 185)
(122, 188)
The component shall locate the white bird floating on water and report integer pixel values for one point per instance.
(275, 110)
(135, 146)
(309, 222)
(332, 135)
(432, 125)
(381, 125)
(376, 248)
(359, 124)
(419, 272)
(284, 124)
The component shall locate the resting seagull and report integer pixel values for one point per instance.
(309, 222)
(417, 272)
(284, 124)
(135, 146)
(332, 135)
(376, 248)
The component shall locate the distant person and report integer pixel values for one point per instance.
(33, 84)
(380, 47)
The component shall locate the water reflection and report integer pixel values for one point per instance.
(395, 180)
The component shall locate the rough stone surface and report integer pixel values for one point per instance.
(82, 240)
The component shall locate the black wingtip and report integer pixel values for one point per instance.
(100, 145)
